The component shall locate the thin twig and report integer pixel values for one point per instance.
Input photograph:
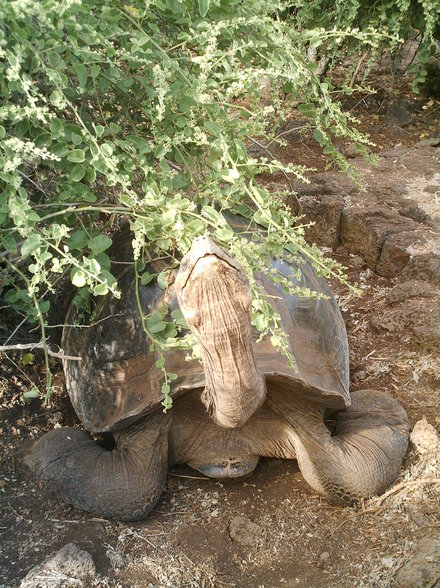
(109, 316)
(188, 477)
(283, 133)
(16, 329)
(40, 345)
(289, 183)
(356, 71)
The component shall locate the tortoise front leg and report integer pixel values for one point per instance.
(363, 454)
(122, 484)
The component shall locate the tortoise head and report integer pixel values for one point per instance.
(214, 295)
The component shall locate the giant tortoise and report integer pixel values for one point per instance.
(242, 402)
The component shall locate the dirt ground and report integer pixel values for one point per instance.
(388, 238)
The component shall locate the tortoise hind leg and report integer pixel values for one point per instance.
(122, 484)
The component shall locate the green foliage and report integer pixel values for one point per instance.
(396, 20)
(143, 111)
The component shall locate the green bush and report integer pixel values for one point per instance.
(398, 21)
(143, 111)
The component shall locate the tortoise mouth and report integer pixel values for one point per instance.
(202, 249)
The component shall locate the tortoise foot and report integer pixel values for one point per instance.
(227, 467)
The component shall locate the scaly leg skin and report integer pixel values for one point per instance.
(122, 484)
(363, 455)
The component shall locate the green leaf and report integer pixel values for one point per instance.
(77, 173)
(78, 239)
(211, 213)
(32, 393)
(28, 359)
(95, 70)
(162, 279)
(230, 175)
(77, 155)
(140, 144)
(155, 323)
(308, 109)
(2, 132)
(60, 149)
(44, 306)
(146, 278)
(56, 127)
(179, 318)
(81, 72)
(319, 136)
(91, 178)
(31, 243)
(57, 99)
(100, 290)
(185, 103)
(99, 243)
(213, 128)
(78, 278)
(99, 129)
(203, 7)
(224, 234)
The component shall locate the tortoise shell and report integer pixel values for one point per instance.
(116, 380)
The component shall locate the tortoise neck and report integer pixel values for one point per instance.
(235, 387)
(215, 297)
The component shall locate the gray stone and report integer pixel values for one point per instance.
(245, 532)
(398, 113)
(423, 569)
(68, 567)
(431, 142)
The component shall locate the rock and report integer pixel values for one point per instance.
(423, 569)
(325, 210)
(394, 255)
(246, 532)
(425, 438)
(350, 151)
(432, 188)
(423, 266)
(431, 87)
(365, 230)
(397, 250)
(70, 566)
(412, 210)
(398, 113)
(430, 142)
(408, 289)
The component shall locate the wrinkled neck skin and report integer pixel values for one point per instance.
(215, 298)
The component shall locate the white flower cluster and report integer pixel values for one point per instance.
(160, 78)
(23, 151)
(31, 111)
(138, 244)
(43, 12)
